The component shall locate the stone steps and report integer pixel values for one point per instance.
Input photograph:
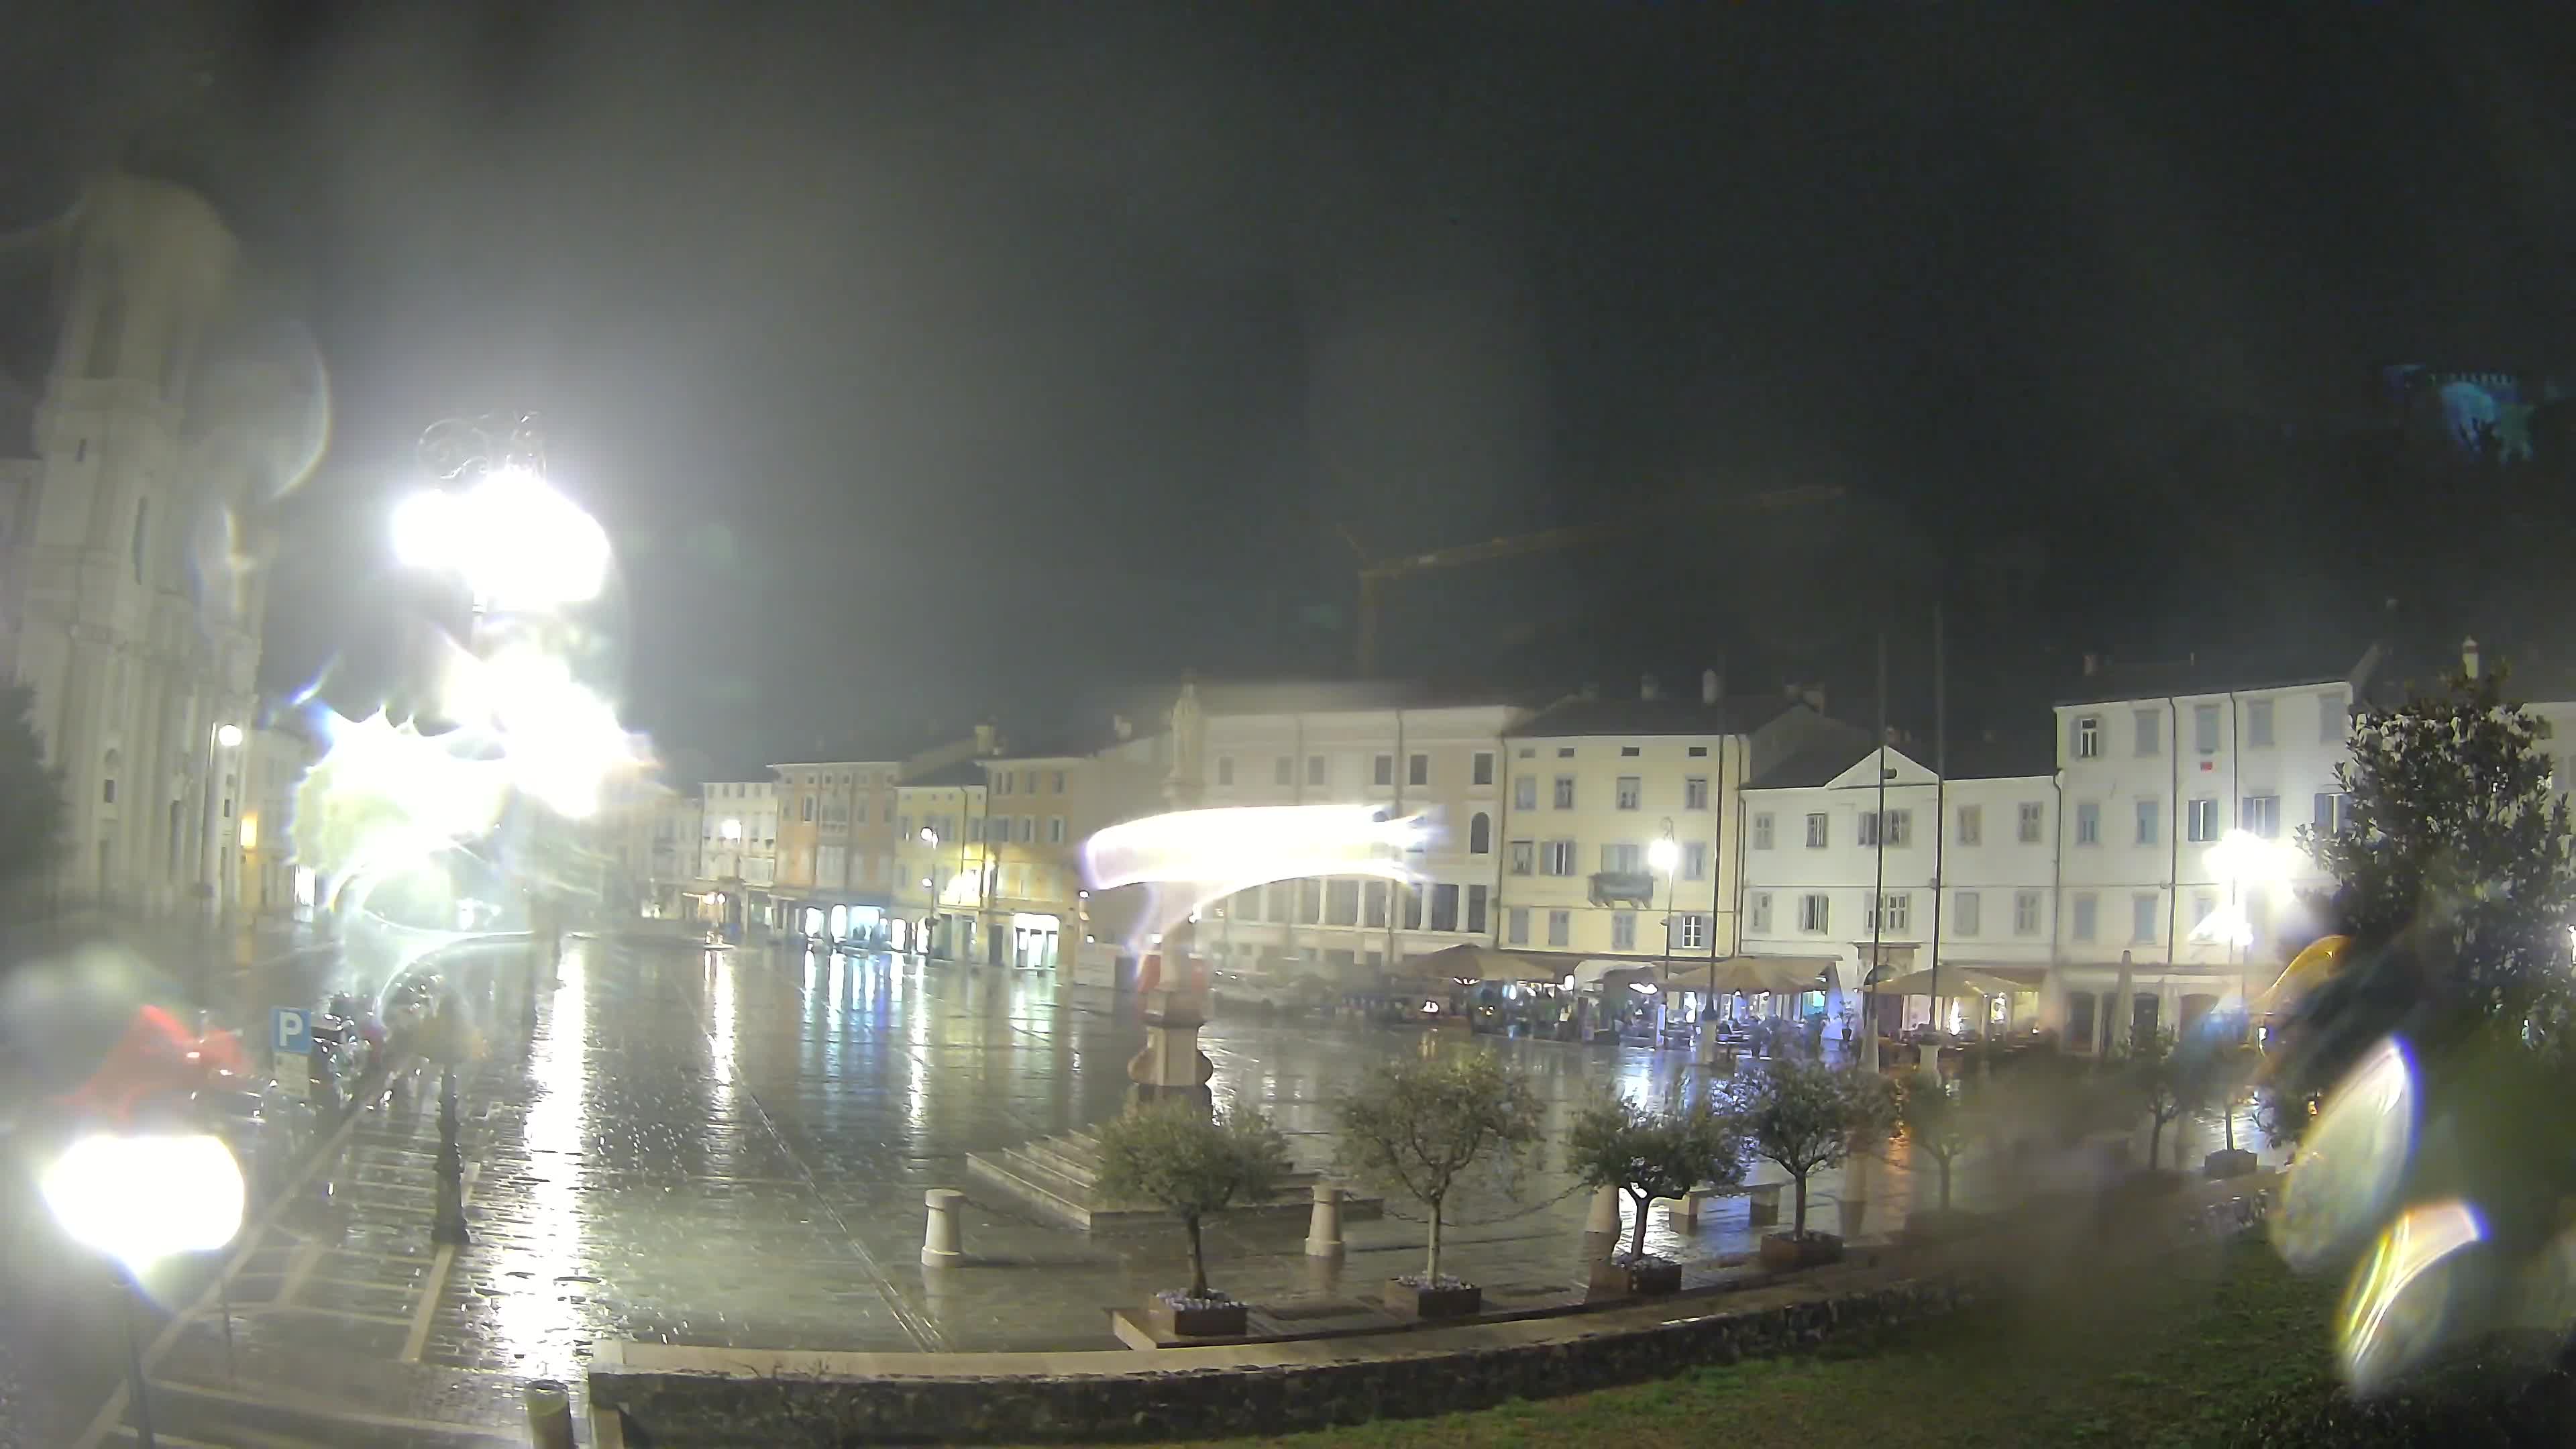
(1058, 1178)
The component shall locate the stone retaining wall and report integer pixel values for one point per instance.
(795, 1400)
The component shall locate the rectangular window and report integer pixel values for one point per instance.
(2204, 905)
(2088, 822)
(1972, 825)
(1965, 909)
(2150, 821)
(2200, 820)
(1762, 831)
(1895, 912)
(1524, 855)
(1417, 770)
(1002, 783)
(2334, 812)
(2088, 737)
(1623, 930)
(1565, 752)
(1055, 830)
(1028, 830)
(2262, 816)
(1759, 913)
(2026, 830)
(1384, 771)
(1525, 793)
(1556, 857)
(2085, 909)
(1900, 828)
(1560, 928)
(1819, 833)
(1815, 912)
(1476, 898)
(1055, 785)
(1693, 932)
(1481, 768)
(2258, 722)
(1283, 771)
(1620, 857)
(1412, 910)
(1565, 792)
(1516, 926)
(1631, 791)
(1342, 903)
(2332, 721)
(2204, 728)
(2142, 917)
(809, 807)
(1373, 904)
(1695, 793)
(1865, 829)
(1695, 860)
(2149, 727)
(2025, 913)
(1314, 769)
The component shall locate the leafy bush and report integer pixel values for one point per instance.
(1651, 1153)
(1417, 1126)
(1804, 1115)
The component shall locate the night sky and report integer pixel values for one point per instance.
(934, 360)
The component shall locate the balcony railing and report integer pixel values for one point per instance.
(1613, 887)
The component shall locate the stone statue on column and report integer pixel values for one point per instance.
(1176, 986)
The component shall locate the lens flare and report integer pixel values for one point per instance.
(141, 1199)
(1195, 858)
(2344, 1181)
(2398, 1305)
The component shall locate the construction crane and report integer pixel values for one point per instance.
(1376, 574)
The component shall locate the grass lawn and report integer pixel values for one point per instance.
(2172, 1354)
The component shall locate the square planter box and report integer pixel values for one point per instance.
(1223, 1320)
(1460, 1302)
(1786, 1252)
(1652, 1278)
(2227, 1162)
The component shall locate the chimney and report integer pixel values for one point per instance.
(1710, 686)
(1648, 689)
(2469, 657)
(1122, 726)
(983, 739)
(2092, 664)
(1895, 738)
(1814, 695)
(1592, 691)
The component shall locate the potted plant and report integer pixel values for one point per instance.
(1417, 1127)
(1803, 1115)
(1941, 1122)
(1646, 1154)
(1192, 1164)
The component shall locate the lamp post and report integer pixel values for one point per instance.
(930, 891)
(731, 833)
(136, 1200)
(2247, 862)
(1665, 855)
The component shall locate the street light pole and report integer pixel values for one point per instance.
(1665, 855)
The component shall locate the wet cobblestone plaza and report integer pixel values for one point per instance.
(730, 1147)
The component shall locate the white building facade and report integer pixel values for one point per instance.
(170, 416)
(1864, 857)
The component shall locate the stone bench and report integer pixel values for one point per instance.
(1762, 1199)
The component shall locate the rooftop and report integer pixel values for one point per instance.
(2105, 680)
(1975, 758)
(1635, 716)
(950, 776)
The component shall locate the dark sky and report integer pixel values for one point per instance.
(926, 360)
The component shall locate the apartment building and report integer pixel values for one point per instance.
(738, 852)
(1865, 862)
(1045, 802)
(1399, 748)
(2182, 788)
(1595, 786)
(837, 850)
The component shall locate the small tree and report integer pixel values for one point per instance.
(1804, 1115)
(2159, 1083)
(1651, 1153)
(1417, 1126)
(2214, 1078)
(1192, 1165)
(31, 794)
(1942, 1125)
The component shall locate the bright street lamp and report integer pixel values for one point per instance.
(929, 837)
(518, 543)
(136, 1200)
(229, 736)
(1663, 855)
(730, 830)
(2247, 862)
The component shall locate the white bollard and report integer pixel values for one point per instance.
(1604, 1217)
(941, 1245)
(1324, 1227)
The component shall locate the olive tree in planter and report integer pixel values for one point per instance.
(2160, 1083)
(1417, 1127)
(1173, 1154)
(1942, 1122)
(1650, 1153)
(2215, 1079)
(1804, 1115)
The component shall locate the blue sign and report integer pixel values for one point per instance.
(290, 1030)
